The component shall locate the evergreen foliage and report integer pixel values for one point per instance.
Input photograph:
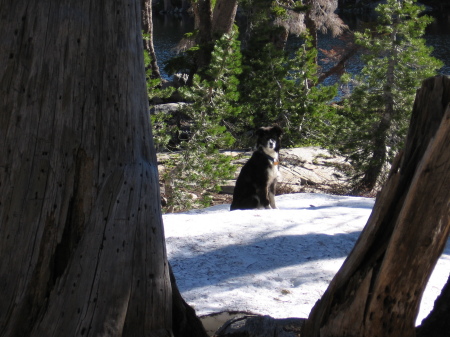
(161, 126)
(266, 85)
(279, 88)
(275, 88)
(200, 165)
(372, 127)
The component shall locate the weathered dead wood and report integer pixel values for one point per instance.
(82, 249)
(185, 320)
(377, 291)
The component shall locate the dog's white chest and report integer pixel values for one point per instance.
(273, 169)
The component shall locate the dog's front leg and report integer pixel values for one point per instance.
(272, 196)
(263, 195)
(269, 200)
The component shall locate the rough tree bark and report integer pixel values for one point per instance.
(210, 26)
(223, 17)
(185, 320)
(203, 22)
(147, 27)
(81, 238)
(377, 291)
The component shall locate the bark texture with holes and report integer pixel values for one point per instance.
(81, 238)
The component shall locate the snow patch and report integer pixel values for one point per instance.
(271, 262)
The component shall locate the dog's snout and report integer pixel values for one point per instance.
(272, 142)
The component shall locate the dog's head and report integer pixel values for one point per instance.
(268, 137)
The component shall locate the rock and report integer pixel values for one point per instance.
(166, 108)
(247, 325)
(228, 187)
(305, 169)
(179, 80)
(214, 321)
(310, 168)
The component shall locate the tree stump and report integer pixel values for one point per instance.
(378, 289)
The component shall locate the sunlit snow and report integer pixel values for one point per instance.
(271, 262)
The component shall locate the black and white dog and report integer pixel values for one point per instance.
(255, 186)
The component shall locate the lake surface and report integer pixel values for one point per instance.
(170, 29)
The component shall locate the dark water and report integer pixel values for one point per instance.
(169, 30)
(438, 36)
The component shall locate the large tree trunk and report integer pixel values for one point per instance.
(223, 17)
(147, 27)
(203, 20)
(81, 238)
(203, 24)
(204, 37)
(377, 291)
(210, 26)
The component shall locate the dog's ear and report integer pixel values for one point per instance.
(259, 132)
(277, 130)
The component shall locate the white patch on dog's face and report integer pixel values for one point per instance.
(271, 143)
(269, 140)
(269, 148)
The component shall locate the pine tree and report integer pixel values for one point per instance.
(373, 125)
(281, 89)
(200, 165)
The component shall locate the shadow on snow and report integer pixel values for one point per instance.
(233, 261)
